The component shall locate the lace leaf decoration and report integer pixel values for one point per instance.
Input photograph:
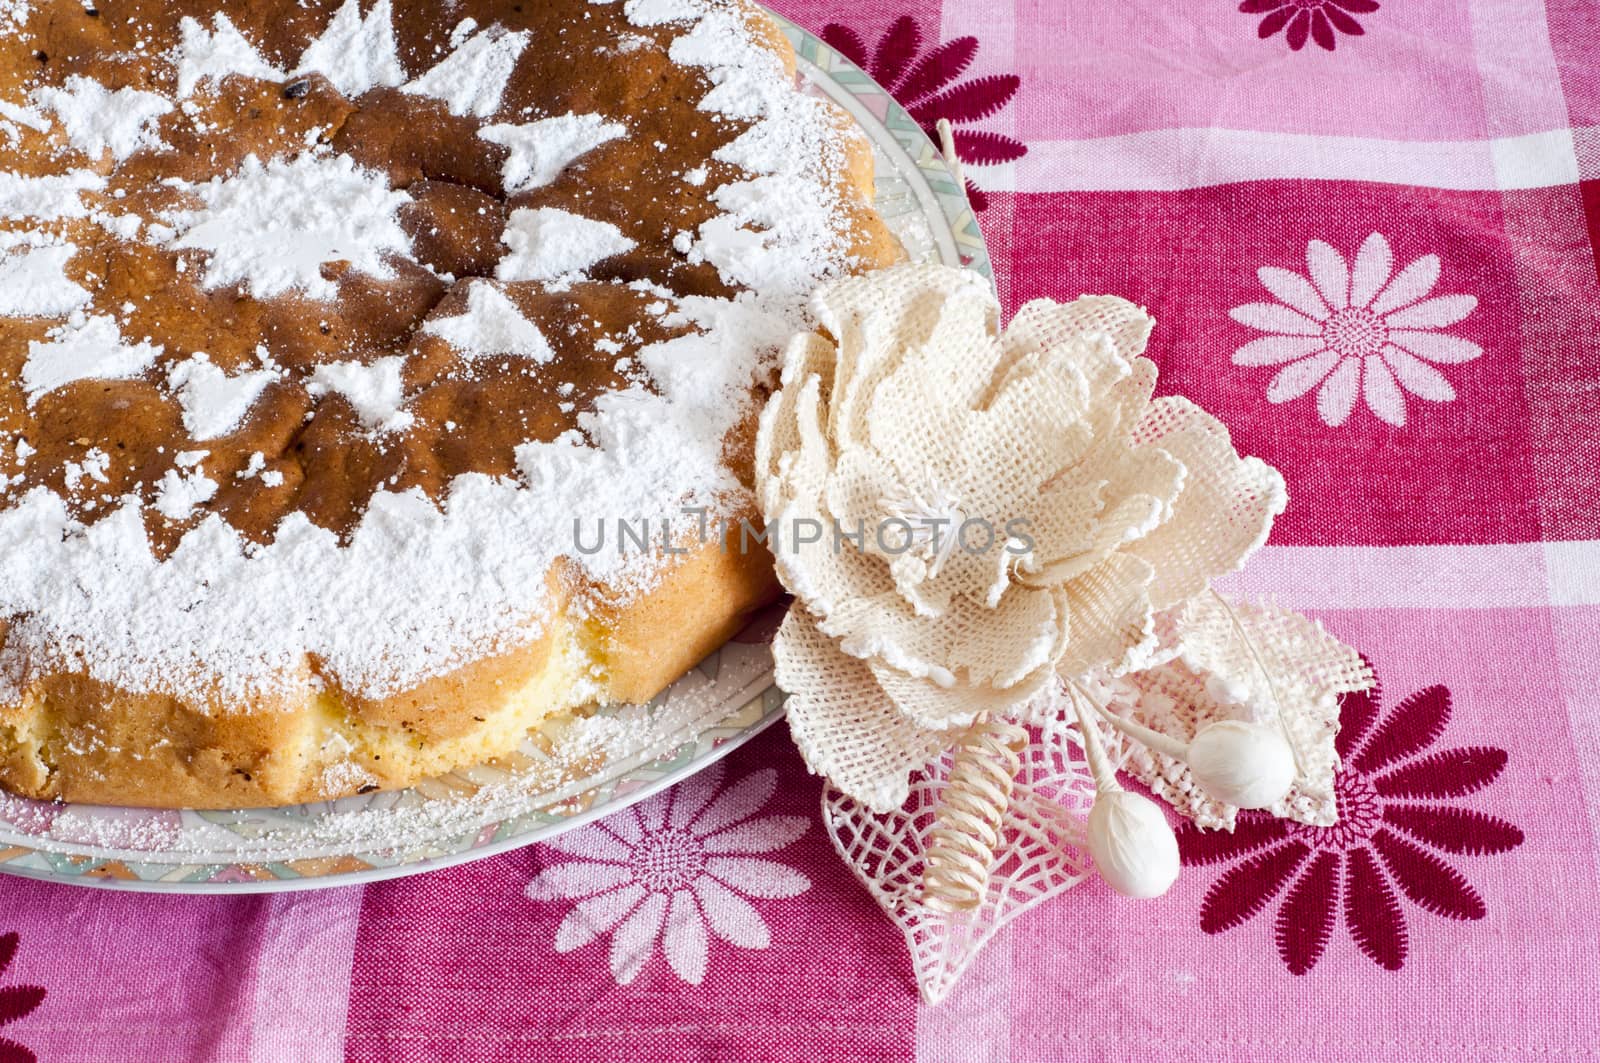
(1041, 854)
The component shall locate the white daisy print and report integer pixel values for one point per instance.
(674, 870)
(1356, 331)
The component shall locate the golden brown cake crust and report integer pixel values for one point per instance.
(311, 735)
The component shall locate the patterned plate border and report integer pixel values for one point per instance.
(727, 700)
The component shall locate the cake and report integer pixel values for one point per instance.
(380, 376)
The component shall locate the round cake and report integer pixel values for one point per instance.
(379, 377)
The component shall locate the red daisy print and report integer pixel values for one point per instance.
(1395, 820)
(1302, 20)
(925, 84)
(16, 1001)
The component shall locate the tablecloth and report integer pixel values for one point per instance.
(1368, 231)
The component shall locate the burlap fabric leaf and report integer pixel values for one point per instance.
(962, 514)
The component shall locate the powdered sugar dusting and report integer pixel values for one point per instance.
(472, 79)
(779, 224)
(537, 152)
(213, 402)
(24, 116)
(491, 325)
(97, 120)
(85, 348)
(181, 491)
(354, 53)
(34, 282)
(47, 197)
(376, 390)
(548, 243)
(211, 55)
(270, 227)
(418, 587)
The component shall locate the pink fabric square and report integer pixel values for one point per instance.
(131, 977)
(1458, 470)
(1093, 69)
(1573, 32)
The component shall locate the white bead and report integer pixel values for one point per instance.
(1247, 765)
(1132, 844)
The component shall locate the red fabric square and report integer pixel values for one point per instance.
(1460, 467)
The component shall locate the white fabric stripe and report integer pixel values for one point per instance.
(302, 984)
(1516, 64)
(1574, 570)
(1439, 577)
(1173, 159)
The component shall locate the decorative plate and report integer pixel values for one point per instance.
(565, 774)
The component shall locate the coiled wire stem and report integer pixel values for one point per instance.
(967, 824)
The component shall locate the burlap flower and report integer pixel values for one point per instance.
(962, 514)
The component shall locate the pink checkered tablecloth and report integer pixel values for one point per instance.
(1368, 231)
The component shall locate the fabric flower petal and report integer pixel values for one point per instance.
(1248, 886)
(1449, 773)
(1274, 317)
(1428, 880)
(1295, 380)
(1414, 725)
(1410, 284)
(946, 710)
(1305, 922)
(1434, 346)
(1196, 846)
(652, 812)
(761, 835)
(1294, 291)
(694, 793)
(1437, 312)
(625, 827)
(730, 916)
(737, 803)
(1275, 350)
(1336, 398)
(685, 940)
(1275, 21)
(1299, 30)
(1374, 263)
(1454, 830)
(576, 878)
(1383, 395)
(1418, 377)
(634, 942)
(1223, 512)
(971, 645)
(1372, 912)
(1322, 30)
(1329, 272)
(593, 916)
(591, 843)
(1111, 616)
(1358, 711)
(1342, 22)
(754, 877)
